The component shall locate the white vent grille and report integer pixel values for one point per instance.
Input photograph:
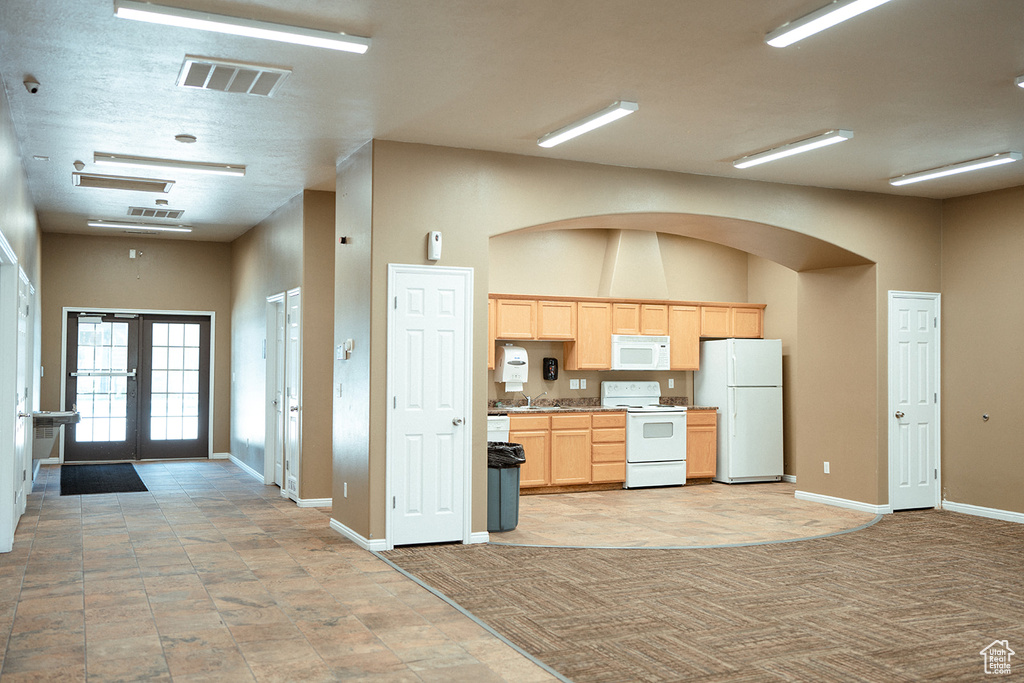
(146, 212)
(226, 76)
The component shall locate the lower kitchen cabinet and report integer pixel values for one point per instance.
(608, 448)
(570, 449)
(533, 432)
(701, 443)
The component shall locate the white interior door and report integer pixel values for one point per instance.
(293, 393)
(23, 449)
(913, 400)
(429, 370)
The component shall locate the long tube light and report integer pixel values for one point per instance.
(221, 23)
(953, 169)
(125, 225)
(823, 140)
(819, 20)
(610, 113)
(106, 159)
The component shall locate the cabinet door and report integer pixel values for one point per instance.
(536, 445)
(517, 319)
(570, 456)
(684, 331)
(701, 443)
(592, 349)
(625, 318)
(746, 322)
(492, 327)
(654, 319)
(556, 320)
(714, 321)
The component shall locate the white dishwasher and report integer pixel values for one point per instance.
(497, 427)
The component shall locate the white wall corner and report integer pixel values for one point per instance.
(978, 511)
(313, 502)
(791, 478)
(843, 503)
(373, 544)
(479, 537)
(220, 456)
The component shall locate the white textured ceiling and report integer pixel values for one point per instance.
(922, 83)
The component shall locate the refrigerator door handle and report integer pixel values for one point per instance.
(732, 402)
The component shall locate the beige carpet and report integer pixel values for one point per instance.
(914, 597)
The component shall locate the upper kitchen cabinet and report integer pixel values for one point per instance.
(515, 319)
(734, 320)
(592, 349)
(635, 318)
(684, 333)
(556, 320)
(492, 329)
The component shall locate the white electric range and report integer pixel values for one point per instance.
(655, 434)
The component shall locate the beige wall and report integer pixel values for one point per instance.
(17, 214)
(472, 195)
(982, 348)
(291, 248)
(353, 435)
(168, 275)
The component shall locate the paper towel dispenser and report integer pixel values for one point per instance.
(511, 366)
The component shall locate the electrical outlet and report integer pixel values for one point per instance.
(826, 467)
(583, 384)
(671, 383)
(574, 384)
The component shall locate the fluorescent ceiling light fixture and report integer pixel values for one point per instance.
(953, 169)
(819, 20)
(585, 125)
(104, 159)
(221, 23)
(823, 140)
(125, 225)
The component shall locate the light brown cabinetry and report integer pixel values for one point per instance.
(701, 443)
(570, 449)
(684, 334)
(592, 349)
(492, 328)
(556, 320)
(732, 321)
(608, 447)
(516, 319)
(635, 318)
(533, 432)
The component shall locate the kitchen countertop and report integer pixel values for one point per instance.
(523, 410)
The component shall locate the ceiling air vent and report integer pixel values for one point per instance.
(226, 76)
(146, 212)
(117, 182)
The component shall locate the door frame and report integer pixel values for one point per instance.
(893, 430)
(135, 311)
(394, 269)
(292, 379)
(9, 465)
(271, 432)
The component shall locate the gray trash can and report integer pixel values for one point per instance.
(503, 461)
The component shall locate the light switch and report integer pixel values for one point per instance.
(671, 383)
(583, 384)
(574, 384)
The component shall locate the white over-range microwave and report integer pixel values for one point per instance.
(639, 352)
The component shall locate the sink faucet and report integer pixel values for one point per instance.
(529, 400)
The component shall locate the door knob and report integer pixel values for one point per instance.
(456, 421)
(899, 414)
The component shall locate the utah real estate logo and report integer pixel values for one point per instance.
(997, 657)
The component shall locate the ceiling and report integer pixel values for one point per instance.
(922, 83)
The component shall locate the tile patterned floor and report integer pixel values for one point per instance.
(680, 516)
(211, 576)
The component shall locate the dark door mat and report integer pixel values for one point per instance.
(82, 480)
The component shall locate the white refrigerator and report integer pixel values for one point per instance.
(743, 378)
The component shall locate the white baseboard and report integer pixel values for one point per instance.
(843, 503)
(245, 468)
(220, 456)
(791, 478)
(313, 502)
(374, 544)
(977, 510)
(479, 537)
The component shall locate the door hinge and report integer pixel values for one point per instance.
(936, 472)
(935, 322)
(392, 502)
(936, 396)
(24, 475)
(395, 306)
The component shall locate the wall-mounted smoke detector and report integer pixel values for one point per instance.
(228, 76)
(117, 182)
(146, 212)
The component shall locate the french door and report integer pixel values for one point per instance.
(141, 383)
